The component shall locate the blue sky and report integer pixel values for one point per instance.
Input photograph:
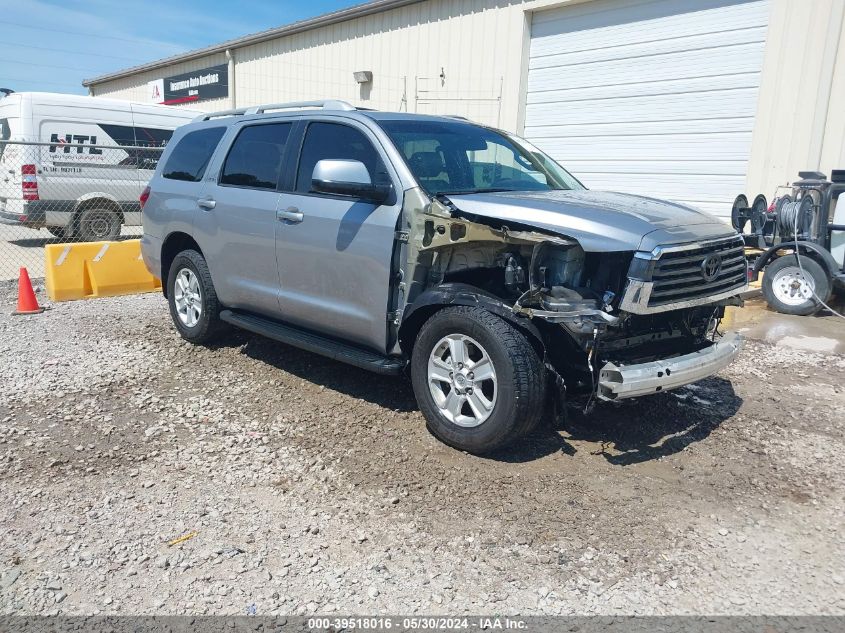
(51, 45)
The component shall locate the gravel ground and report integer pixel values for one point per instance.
(298, 485)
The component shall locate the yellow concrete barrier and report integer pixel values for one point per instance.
(96, 269)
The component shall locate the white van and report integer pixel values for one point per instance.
(75, 186)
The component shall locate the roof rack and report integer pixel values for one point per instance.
(221, 113)
(326, 104)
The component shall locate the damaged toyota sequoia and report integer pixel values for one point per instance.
(464, 254)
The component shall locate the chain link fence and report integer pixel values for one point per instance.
(66, 188)
(61, 191)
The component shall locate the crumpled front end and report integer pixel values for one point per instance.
(611, 322)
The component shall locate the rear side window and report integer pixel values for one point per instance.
(191, 155)
(255, 159)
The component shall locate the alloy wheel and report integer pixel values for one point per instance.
(187, 296)
(462, 380)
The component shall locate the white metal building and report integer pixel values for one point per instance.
(690, 100)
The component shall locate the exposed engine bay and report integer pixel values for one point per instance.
(572, 298)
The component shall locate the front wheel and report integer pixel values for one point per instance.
(478, 380)
(193, 302)
(793, 289)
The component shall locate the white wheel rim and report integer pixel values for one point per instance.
(792, 287)
(187, 297)
(99, 223)
(462, 380)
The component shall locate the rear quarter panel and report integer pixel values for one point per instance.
(172, 205)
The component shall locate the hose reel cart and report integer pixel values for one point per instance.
(798, 241)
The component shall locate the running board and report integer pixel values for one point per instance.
(311, 342)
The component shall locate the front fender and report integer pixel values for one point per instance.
(458, 294)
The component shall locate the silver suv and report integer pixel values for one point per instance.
(395, 241)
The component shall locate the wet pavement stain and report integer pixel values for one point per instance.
(823, 332)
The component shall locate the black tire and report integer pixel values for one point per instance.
(208, 326)
(59, 232)
(97, 225)
(520, 378)
(776, 274)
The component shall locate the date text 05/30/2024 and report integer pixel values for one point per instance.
(374, 623)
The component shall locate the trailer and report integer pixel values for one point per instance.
(797, 241)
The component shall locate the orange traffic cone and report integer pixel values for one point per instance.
(27, 303)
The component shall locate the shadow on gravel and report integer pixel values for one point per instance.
(628, 433)
(656, 426)
(633, 432)
(543, 442)
(391, 392)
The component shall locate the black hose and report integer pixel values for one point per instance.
(796, 218)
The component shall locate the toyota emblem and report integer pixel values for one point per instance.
(711, 267)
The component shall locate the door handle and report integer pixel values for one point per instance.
(291, 214)
(207, 203)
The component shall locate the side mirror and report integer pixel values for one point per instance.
(347, 178)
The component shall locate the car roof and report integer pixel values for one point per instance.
(378, 115)
(358, 113)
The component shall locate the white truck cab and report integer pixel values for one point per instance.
(73, 183)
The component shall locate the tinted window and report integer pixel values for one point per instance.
(332, 140)
(140, 136)
(255, 159)
(191, 155)
(128, 136)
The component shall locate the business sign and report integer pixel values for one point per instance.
(155, 91)
(197, 85)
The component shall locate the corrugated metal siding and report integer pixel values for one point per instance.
(833, 143)
(801, 111)
(656, 98)
(471, 41)
(406, 49)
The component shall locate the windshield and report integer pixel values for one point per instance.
(453, 157)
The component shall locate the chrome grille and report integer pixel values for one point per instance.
(678, 273)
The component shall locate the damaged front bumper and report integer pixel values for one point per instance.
(617, 382)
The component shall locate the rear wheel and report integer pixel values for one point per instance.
(478, 381)
(97, 225)
(791, 288)
(193, 302)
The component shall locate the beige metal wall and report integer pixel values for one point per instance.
(441, 56)
(463, 57)
(800, 121)
(480, 48)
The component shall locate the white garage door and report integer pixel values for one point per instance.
(656, 98)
